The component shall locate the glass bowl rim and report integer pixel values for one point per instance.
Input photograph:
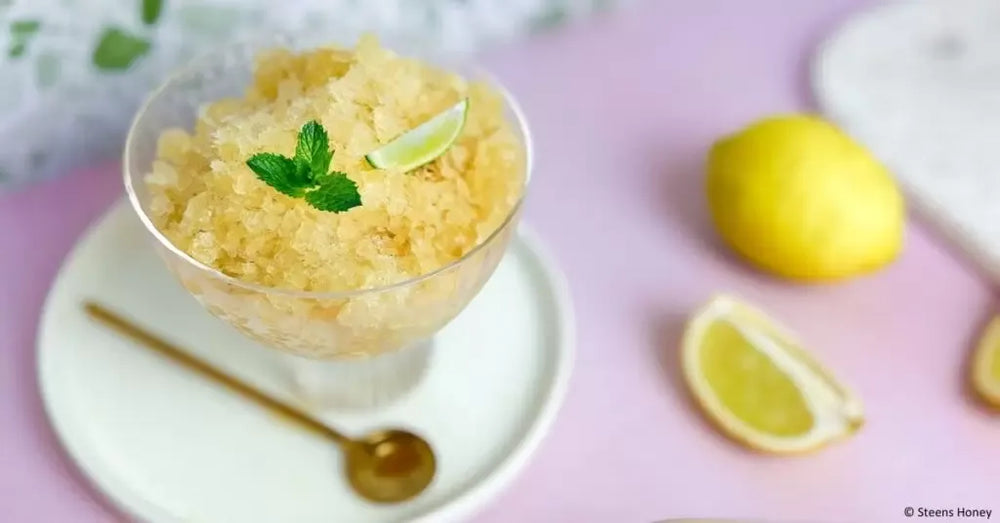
(193, 66)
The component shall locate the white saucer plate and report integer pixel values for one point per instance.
(166, 445)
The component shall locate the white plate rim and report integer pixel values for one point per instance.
(463, 505)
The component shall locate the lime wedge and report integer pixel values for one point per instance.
(423, 143)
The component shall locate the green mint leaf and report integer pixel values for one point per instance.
(279, 172)
(313, 149)
(23, 28)
(17, 50)
(336, 193)
(21, 32)
(151, 10)
(116, 50)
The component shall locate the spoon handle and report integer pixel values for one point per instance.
(185, 358)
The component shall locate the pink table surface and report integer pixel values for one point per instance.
(623, 109)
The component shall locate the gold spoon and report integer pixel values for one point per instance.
(384, 466)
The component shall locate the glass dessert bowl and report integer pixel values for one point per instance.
(350, 299)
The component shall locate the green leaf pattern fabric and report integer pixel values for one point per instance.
(76, 70)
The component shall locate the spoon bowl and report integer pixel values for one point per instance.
(389, 466)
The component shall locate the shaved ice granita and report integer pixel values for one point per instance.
(340, 205)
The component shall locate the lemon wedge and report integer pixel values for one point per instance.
(986, 364)
(759, 386)
(423, 143)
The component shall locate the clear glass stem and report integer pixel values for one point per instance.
(358, 383)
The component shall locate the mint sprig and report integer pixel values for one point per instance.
(308, 175)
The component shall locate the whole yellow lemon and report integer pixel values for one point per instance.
(798, 198)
